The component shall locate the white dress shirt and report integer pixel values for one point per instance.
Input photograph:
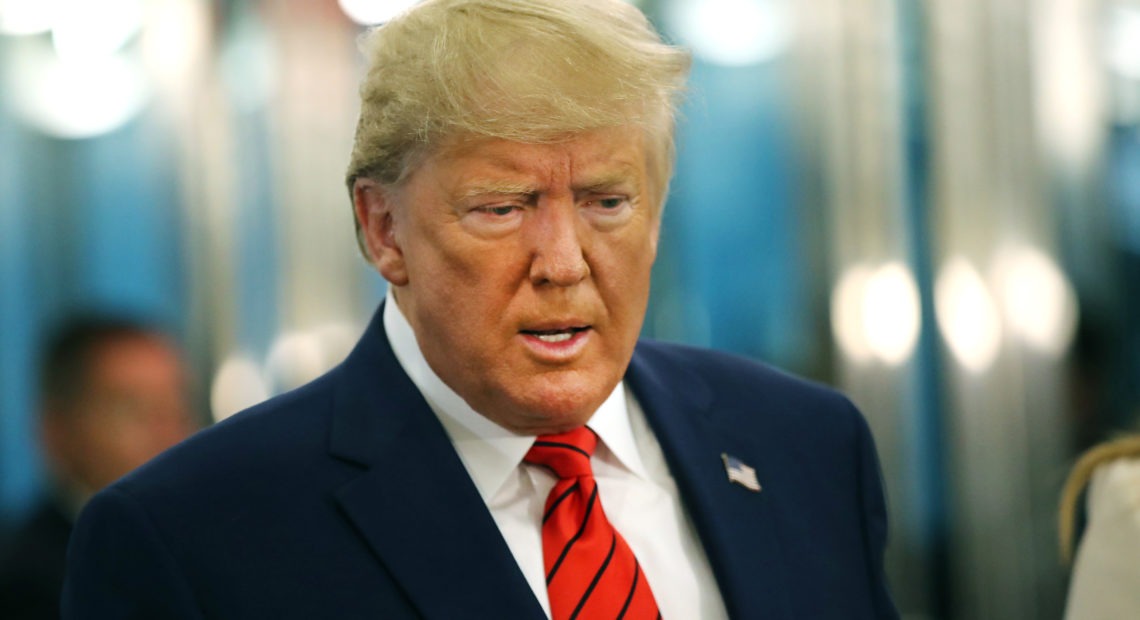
(637, 492)
(1106, 574)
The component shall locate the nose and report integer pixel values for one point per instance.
(559, 257)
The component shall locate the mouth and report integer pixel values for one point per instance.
(555, 336)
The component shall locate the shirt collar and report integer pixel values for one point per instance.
(488, 451)
(611, 423)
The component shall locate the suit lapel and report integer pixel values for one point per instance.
(736, 526)
(414, 504)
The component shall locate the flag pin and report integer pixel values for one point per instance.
(740, 473)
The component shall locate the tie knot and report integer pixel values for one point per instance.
(567, 454)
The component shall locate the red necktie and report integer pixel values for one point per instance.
(590, 570)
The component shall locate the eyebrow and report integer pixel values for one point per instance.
(496, 188)
(608, 181)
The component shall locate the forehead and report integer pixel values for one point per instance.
(134, 359)
(600, 157)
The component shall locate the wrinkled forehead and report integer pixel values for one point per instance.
(606, 157)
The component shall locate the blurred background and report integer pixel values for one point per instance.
(934, 206)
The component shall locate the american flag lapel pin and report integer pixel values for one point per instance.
(740, 473)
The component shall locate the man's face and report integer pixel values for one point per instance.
(523, 269)
(135, 404)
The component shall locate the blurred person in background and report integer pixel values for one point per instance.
(113, 394)
(499, 444)
(1106, 573)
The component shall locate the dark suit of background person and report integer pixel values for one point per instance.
(517, 233)
(112, 396)
(32, 564)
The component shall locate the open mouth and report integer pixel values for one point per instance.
(555, 336)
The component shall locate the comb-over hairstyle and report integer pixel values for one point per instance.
(536, 71)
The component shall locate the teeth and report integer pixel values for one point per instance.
(559, 337)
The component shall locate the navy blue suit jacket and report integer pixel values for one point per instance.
(345, 499)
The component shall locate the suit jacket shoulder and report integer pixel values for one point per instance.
(343, 499)
(817, 525)
(215, 527)
(744, 391)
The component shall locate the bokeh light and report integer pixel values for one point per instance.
(238, 384)
(968, 317)
(732, 32)
(847, 309)
(875, 313)
(299, 356)
(1123, 42)
(294, 359)
(174, 39)
(1038, 301)
(74, 98)
(82, 29)
(23, 17)
(372, 12)
(891, 313)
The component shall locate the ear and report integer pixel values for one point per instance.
(374, 207)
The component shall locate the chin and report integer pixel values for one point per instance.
(561, 405)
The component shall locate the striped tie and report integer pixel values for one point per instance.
(590, 571)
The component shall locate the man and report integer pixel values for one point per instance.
(113, 394)
(499, 445)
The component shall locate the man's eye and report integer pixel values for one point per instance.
(500, 211)
(607, 204)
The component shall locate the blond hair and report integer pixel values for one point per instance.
(533, 71)
(1125, 447)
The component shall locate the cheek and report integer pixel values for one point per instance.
(478, 280)
(466, 290)
(440, 253)
(101, 452)
(625, 270)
